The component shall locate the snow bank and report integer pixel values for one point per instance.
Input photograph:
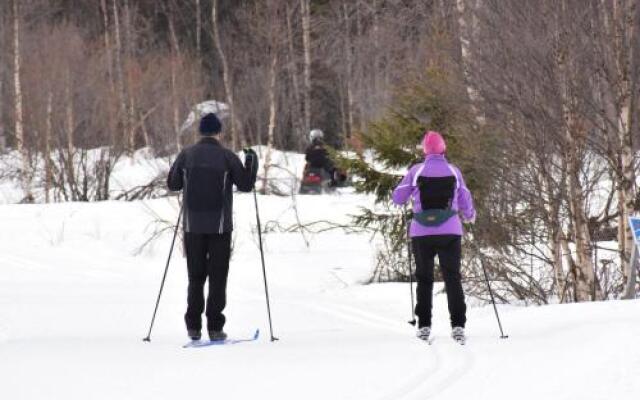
(142, 168)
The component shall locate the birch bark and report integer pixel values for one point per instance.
(226, 77)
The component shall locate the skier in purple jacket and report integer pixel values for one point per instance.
(441, 202)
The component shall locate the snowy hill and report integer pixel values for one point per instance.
(76, 299)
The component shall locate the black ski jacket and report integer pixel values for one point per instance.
(206, 173)
(317, 156)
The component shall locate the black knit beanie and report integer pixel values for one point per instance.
(210, 125)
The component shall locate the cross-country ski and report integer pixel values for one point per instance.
(221, 342)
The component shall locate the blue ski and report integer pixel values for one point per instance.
(206, 343)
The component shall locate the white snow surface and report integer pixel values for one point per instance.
(76, 300)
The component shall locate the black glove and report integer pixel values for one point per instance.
(251, 162)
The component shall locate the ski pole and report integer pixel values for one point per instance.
(264, 271)
(493, 301)
(410, 261)
(164, 276)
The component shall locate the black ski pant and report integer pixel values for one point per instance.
(207, 257)
(448, 248)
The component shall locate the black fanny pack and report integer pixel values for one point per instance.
(433, 217)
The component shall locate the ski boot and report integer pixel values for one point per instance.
(424, 333)
(457, 333)
(215, 336)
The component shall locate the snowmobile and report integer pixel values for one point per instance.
(315, 181)
(319, 181)
(320, 176)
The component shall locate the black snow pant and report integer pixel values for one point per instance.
(207, 257)
(448, 248)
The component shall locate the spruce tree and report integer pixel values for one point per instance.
(393, 144)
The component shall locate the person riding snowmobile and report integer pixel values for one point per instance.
(319, 172)
(316, 154)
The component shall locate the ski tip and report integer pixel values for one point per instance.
(255, 335)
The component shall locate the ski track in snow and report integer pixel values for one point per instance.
(427, 383)
(438, 377)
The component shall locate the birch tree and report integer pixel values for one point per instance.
(25, 172)
(626, 40)
(227, 78)
(305, 13)
(3, 141)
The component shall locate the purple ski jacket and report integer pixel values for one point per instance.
(435, 165)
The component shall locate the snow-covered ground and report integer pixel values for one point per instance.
(76, 299)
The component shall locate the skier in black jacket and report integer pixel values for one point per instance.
(206, 172)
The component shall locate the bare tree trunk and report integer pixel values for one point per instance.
(226, 76)
(558, 270)
(175, 60)
(145, 132)
(465, 54)
(343, 108)
(272, 117)
(3, 142)
(584, 273)
(571, 267)
(585, 279)
(623, 225)
(616, 39)
(107, 44)
(305, 11)
(297, 117)
(47, 148)
(174, 104)
(111, 107)
(375, 89)
(70, 125)
(198, 29)
(131, 120)
(175, 44)
(574, 137)
(628, 73)
(131, 112)
(630, 289)
(120, 77)
(19, 122)
(70, 116)
(554, 223)
(348, 54)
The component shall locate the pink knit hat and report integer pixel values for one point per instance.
(433, 143)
